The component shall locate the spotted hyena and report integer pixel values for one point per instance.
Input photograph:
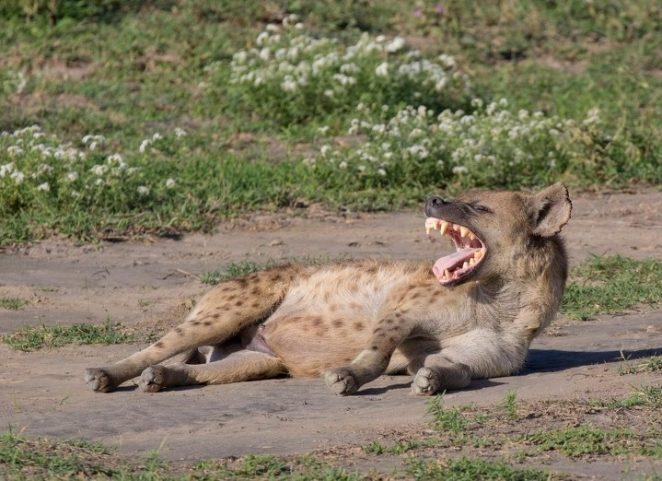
(471, 314)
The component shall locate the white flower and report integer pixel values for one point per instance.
(144, 144)
(6, 169)
(157, 136)
(14, 150)
(72, 176)
(18, 177)
(170, 183)
(342, 165)
(460, 169)
(117, 158)
(323, 130)
(99, 169)
(179, 132)
(289, 85)
(382, 69)
(381, 172)
(44, 187)
(394, 45)
(143, 190)
(325, 150)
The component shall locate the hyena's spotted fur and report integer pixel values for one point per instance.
(354, 321)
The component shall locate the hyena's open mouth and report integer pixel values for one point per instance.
(470, 251)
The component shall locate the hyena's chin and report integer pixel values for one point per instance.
(470, 252)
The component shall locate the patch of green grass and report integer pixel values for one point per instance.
(22, 459)
(467, 469)
(33, 338)
(652, 364)
(510, 405)
(400, 447)
(642, 396)
(12, 303)
(234, 270)
(610, 284)
(444, 419)
(587, 440)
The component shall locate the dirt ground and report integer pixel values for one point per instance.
(156, 281)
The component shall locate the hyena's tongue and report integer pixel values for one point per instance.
(453, 263)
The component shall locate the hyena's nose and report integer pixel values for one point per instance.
(434, 203)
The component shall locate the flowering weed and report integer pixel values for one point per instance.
(293, 76)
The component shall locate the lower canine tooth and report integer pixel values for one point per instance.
(463, 231)
(447, 274)
(472, 262)
(472, 236)
(465, 265)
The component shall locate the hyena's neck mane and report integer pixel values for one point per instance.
(526, 302)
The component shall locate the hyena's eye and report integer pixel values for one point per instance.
(481, 208)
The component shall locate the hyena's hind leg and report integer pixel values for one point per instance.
(234, 365)
(221, 314)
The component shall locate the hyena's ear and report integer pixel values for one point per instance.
(550, 210)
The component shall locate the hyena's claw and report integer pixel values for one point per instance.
(426, 382)
(152, 379)
(98, 380)
(341, 381)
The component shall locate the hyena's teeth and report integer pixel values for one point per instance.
(472, 262)
(447, 274)
(443, 227)
(463, 231)
(465, 265)
(472, 236)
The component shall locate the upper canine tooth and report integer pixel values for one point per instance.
(443, 226)
(472, 262)
(463, 231)
(472, 236)
(465, 265)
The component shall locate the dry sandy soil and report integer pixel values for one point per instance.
(155, 281)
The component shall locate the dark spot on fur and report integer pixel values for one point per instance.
(276, 278)
(216, 316)
(227, 288)
(358, 326)
(179, 331)
(256, 290)
(337, 323)
(392, 339)
(195, 323)
(389, 321)
(239, 303)
(256, 304)
(159, 345)
(242, 282)
(372, 269)
(416, 295)
(232, 297)
(316, 321)
(207, 323)
(374, 348)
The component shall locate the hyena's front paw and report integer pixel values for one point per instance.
(341, 381)
(426, 382)
(98, 380)
(153, 379)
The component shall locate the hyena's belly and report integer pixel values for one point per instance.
(326, 321)
(309, 344)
